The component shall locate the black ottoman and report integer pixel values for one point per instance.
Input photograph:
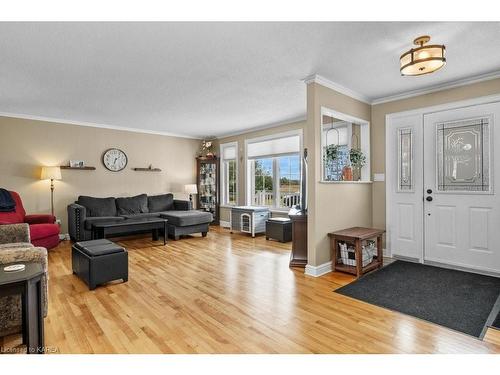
(279, 228)
(99, 261)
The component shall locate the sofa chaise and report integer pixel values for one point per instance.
(182, 219)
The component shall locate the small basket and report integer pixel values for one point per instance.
(348, 254)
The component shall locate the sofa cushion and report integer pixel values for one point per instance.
(98, 206)
(141, 216)
(187, 218)
(38, 231)
(103, 219)
(158, 203)
(132, 205)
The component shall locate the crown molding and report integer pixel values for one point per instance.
(436, 88)
(316, 78)
(58, 121)
(320, 80)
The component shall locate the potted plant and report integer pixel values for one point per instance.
(358, 160)
(207, 149)
(331, 154)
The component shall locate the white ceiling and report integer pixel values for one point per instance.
(202, 79)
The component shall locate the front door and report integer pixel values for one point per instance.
(442, 172)
(461, 172)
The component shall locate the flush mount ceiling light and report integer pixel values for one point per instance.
(424, 59)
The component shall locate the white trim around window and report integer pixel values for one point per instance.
(364, 143)
(224, 186)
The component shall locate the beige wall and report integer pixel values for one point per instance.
(224, 211)
(331, 206)
(27, 144)
(379, 112)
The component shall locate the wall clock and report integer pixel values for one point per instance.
(114, 159)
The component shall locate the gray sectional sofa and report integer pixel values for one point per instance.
(182, 219)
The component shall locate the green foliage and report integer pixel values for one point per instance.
(263, 180)
(331, 153)
(357, 158)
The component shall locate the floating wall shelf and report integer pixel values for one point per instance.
(147, 169)
(78, 168)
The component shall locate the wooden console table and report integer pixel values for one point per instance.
(298, 256)
(355, 235)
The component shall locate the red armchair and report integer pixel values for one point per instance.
(43, 231)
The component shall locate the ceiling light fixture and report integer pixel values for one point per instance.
(423, 59)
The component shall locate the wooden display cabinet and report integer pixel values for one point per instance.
(208, 185)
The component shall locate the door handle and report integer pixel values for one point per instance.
(428, 199)
(429, 191)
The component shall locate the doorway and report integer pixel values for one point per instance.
(442, 171)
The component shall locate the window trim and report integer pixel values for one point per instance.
(364, 143)
(249, 170)
(223, 179)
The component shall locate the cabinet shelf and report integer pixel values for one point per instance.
(375, 263)
(208, 185)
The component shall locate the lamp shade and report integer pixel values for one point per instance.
(51, 173)
(424, 59)
(191, 189)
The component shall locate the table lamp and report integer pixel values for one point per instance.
(51, 173)
(191, 189)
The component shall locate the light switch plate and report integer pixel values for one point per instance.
(378, 177)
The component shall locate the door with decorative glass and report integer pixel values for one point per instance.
(461, 171)
(441, 177)
(404, 189)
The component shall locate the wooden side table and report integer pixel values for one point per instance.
(354, 236)
(28, 284)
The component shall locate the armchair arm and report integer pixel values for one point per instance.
(24, 254)
(13, 233)
(76, 218)
(40, 219)
(182, 205)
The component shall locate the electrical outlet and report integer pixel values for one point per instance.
(58, 221)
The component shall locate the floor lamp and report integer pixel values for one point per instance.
(51, 173)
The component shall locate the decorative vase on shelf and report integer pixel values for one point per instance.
(347, 173)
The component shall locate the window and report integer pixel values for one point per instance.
(274, 170)
(289, 180)
(464, 155)
(263, 186)
(336, 135)
(405, 160)
(229, 175)
(345, 151)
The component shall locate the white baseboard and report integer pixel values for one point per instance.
(320, 270)
(224, 224)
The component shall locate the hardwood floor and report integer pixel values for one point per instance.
(228, 294)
